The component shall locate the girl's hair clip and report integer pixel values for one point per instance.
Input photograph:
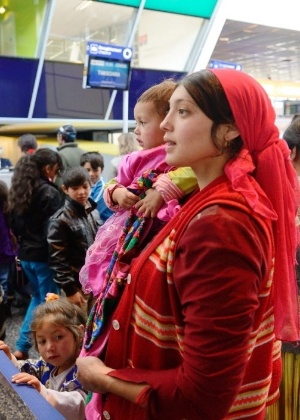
(51, 296)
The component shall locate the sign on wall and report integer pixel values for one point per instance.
(106, 66)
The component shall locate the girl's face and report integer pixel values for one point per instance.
(51, 171)
(56, 344)
(147, 131)
(95, 174)
(188, 135)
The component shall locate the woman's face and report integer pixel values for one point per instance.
(187, 132)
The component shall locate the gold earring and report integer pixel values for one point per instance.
(227, 144)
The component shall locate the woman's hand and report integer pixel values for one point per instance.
(92, 374)
(25, 378)
(77, 299)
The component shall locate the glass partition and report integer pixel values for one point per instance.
(76, 22)
(162, 40)
(165, 40)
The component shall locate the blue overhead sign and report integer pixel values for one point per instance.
(115, 52)
(106, 66)
(216, 64)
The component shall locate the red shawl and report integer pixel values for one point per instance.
(267, 157)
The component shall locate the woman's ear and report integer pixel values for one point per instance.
(293, 153)
(65, 189)
(46, 169)
(232, 132)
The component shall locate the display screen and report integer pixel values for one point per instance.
(108, 73)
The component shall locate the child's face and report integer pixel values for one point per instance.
(95, 174)
(80, 193)
(147, 131)
(56, 344)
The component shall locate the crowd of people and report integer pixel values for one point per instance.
(171, 289)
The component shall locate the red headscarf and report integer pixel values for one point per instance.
(267, 158)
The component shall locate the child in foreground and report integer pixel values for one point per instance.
(57, 330)
(130, 194)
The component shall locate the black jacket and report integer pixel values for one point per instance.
(31, 228)
(71, 231)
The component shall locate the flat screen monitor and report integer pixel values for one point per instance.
(107, 73)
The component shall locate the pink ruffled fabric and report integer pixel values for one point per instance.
(267, 157)
(99, 254)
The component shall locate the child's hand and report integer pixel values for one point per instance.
(124, 198)
(6, 349)
(150, 205)
(25, 378)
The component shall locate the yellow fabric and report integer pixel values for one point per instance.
(184, 179)
(110, 182)
(288, 405)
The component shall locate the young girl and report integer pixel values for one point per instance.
(138, 171)
(57, 329)
(33, 198)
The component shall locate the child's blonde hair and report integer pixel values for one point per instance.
(127, 143)
(65, 313)
(160, 95)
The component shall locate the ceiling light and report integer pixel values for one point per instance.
(83, 5)
(2, 10)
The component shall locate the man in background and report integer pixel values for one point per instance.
(68, 149)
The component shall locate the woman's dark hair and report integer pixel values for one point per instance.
(76, 176)
(4, 198)
(27, 174)
(94, 158)
(205, 89)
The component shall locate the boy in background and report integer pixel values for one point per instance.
(71, 231)
(93, 162)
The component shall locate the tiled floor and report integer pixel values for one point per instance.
(13, 325)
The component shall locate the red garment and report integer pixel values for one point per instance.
(200, 333)
(268, 157)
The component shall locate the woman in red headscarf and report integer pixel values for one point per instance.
(196, 332)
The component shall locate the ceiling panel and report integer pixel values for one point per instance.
(264, 52)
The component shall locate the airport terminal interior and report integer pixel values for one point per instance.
(44, 59)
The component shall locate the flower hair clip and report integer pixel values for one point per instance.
(51, 296)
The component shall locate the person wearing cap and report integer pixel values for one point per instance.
(28, 144)
(68, 149)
